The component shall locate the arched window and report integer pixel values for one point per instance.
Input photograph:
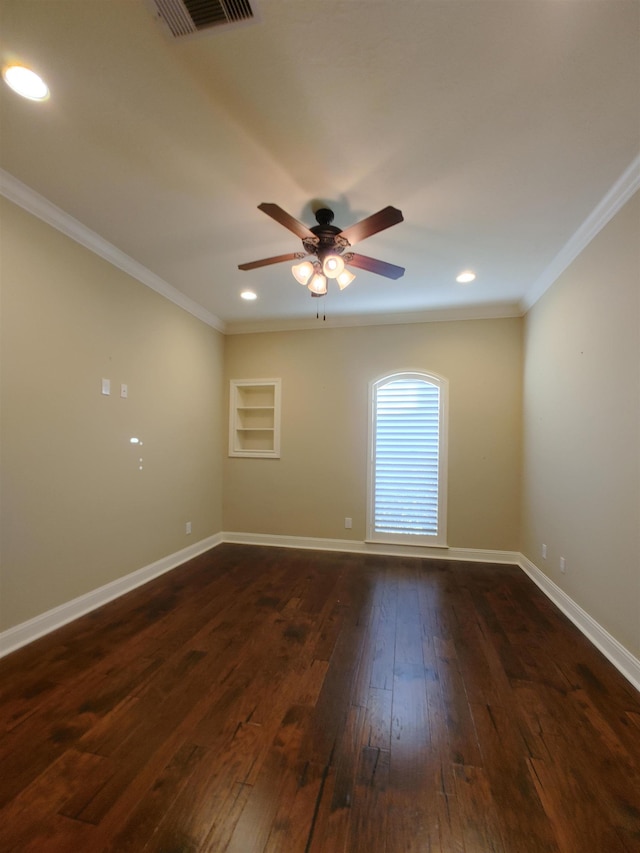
(408, 464)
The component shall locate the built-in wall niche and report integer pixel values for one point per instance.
(254, 417)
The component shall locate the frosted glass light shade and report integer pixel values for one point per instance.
(302, 272)
(344, 279)
(318, 284)
(333, 265)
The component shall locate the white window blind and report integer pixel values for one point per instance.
(406, 488)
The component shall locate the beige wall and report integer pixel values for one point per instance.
(76, 510)
(581, 484)
(322, 474)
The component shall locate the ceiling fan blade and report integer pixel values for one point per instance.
(277, 259)
(384, 218)
(286, 219)
(374, 265)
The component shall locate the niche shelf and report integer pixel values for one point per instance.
(254, 418)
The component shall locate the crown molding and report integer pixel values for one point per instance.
(619, 194)
(31, 201)
(489, 311)
(36, 204)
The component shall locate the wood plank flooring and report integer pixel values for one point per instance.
(266, 700)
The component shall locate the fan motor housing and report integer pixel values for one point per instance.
(328, 240)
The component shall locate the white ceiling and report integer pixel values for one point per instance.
(496, 127)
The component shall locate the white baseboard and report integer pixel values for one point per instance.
(27, 632)
(356, 546)
(614, 651)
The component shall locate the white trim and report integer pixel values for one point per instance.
(237, 402)
(623, 660)
(442, 383)
(626, 185)
(18, 636)
(488, 311)
(26, 632)
(36, 204)
(615, 652)
(386, 549)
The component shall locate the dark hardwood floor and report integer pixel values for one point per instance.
(264, 700)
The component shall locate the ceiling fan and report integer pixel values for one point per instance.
(327, 245)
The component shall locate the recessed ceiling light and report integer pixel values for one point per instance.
(26, 82)
(249, 295)
(465, 277)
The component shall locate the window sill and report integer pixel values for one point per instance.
(421, 542)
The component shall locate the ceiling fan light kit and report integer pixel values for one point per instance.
(318, 285)
(344, 279)
(302, 272)
(332, 266)
(328, 243)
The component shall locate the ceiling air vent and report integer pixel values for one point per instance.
(186, 17)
